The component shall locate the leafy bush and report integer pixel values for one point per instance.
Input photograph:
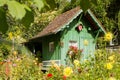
(20, 67)
(104, 66)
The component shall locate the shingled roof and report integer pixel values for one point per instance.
(59, 22)
(64, 19)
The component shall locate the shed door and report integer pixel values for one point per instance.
(88, 46)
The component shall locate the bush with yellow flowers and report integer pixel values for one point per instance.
(108, 36)
(105, 65)
(20, 67)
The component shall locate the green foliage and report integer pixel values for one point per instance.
(2, 2)
(28, 19)
(4, 51)
(16, 9)
(20, 66)
(41, 20)
(57, 74)
(39, 4)
(104, 66)
(83, 4)
(3, 23)
(52, 4)
(16, 62)
(119, 19)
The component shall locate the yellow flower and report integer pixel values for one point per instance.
(109, 65)
(85, 42)
(55, 65)
(108, 36)
(111, 58)
(15, 53)
(111, 78)
(67, 71)
(76, 63)
(113, 61)
(10, 35)
(36, 59)
(35, 63)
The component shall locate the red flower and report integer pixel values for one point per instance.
(64, 77)
(79, 70)
(7, 69)
(49, 75)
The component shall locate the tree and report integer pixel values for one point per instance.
(18, 11)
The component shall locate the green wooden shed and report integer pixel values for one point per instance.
(72, 28)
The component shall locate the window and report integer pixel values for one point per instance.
(51, 46)
(73, 43)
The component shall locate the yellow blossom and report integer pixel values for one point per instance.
(85, 42)
(10, 35)
(36, 58)
(55, 65)
(35, 63)
(15, 53)
(109, 65)
(111, 78)
(67, 71)
(108, 36)
(76, 63)
(113, 61)
(111, 58)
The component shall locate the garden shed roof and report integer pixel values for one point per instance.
(64, 19)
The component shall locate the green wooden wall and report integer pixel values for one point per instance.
(70, 33)
(54, 55)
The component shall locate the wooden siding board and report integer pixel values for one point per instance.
(85, 35)
(51, 55)
(72, 34)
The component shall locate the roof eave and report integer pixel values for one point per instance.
(96, 20)
(64, 26)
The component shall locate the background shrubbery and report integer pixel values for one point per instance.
(16, 64)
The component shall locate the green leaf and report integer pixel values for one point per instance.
(28, 18)
(26, 7)
(16, 9)
(119, 19)
(39, 4)
(85, 4)
(2, 2)
(94, 2)
(51, 3)
(3, 22)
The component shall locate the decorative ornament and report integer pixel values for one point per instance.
(79, 27)
(86, 42)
